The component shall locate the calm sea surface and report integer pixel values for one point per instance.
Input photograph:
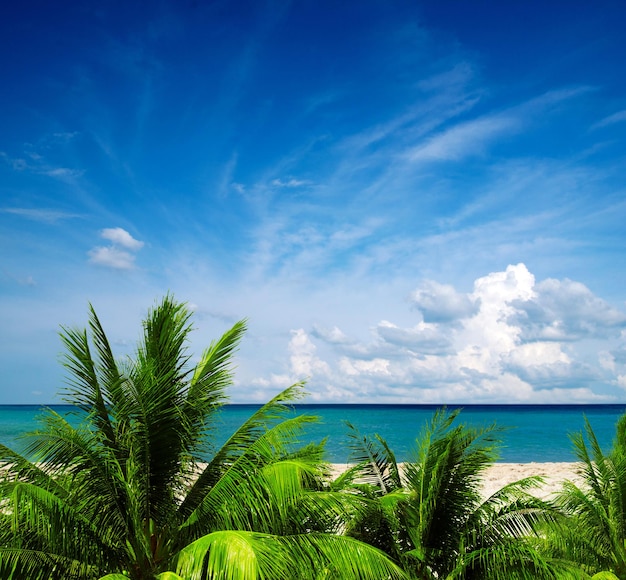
(534, 432)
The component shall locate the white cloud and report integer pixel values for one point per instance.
(304, 363)
(332, 335)
(121, 237)
(112, 257)
(565, 310)
(487, 335)
(441, 302)
(423, 338)
(606, 360)
(476, 351)
(377, 367)
(120, 254)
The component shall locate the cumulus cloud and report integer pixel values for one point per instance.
(112, 257)
(441, 302)
(120, 254)
(304, 362)
(423, 338)
(564, 310)
(619, 355)
(332, 335)
(376, 367)
(121, 237)
(496, 343)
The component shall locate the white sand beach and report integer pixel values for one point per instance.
(553, 474)
(500, 474)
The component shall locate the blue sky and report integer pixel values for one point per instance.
(411, 202)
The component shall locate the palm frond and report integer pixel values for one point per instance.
(23, 563)
(239, 443)
(232, 555)
(329, 556)
(444, 480)
(240, 496)
(236, 555)
(375, 462)
(511, 561)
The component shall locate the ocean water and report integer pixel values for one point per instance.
(532, 432)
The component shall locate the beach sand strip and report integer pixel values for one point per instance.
(500, 474)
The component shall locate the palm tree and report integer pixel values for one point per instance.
(594, 534)
(136, 490)
(430, 517)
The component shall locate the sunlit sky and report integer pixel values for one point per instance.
(410, 201)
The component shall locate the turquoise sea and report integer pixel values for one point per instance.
(534, 432)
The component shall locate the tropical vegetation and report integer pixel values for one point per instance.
(594, 531)
(430, 515)
(135, 490)
(135, 485)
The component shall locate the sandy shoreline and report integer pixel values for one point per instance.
(553, 474)
(499, 474)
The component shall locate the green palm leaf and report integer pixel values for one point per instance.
(254, 427)
(375, 462)
(236, 555)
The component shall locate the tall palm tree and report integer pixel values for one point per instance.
(594, 534)
(135, 489)
(430, 517)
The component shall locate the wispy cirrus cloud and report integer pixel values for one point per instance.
(468, 138)
(27, 280)
(36, 163)
(618, 117)
(44, 215)
(472, 137)
(290, 182)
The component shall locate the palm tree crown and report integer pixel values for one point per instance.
(136, 490)
(594, 531)
(430, 516)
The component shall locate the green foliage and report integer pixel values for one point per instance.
(130, 494)
(432, 519)
(593, 533)
(137, 490)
